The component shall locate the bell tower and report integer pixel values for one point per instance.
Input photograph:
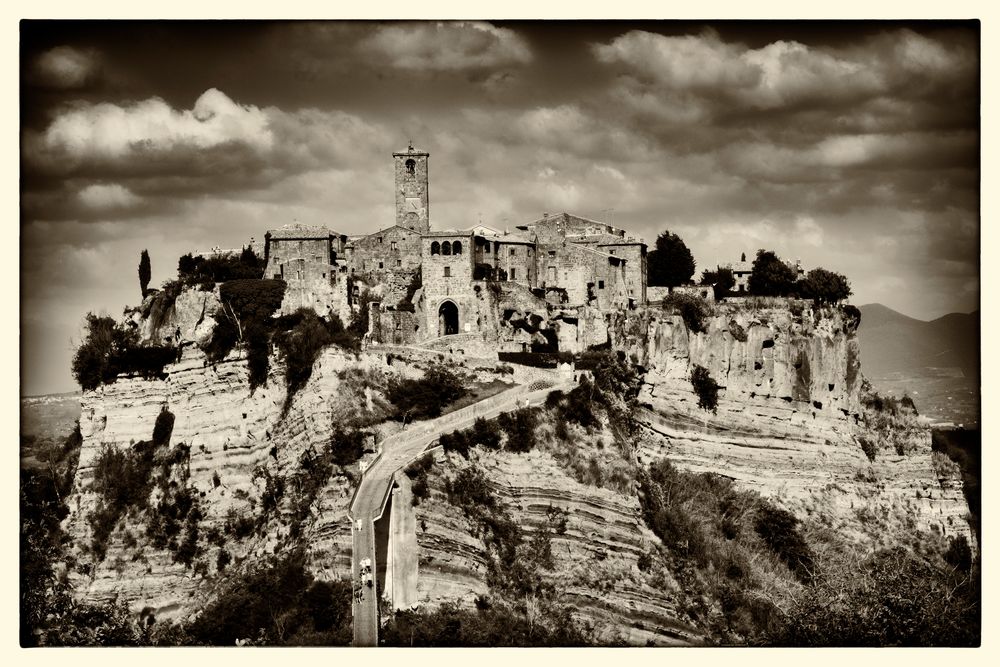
(412, 198)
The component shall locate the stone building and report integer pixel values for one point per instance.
(310, 260)
(562, 273)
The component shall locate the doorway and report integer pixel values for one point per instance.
(447, 319)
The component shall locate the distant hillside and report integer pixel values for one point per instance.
(892, 343)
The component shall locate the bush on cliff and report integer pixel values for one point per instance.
(771, 276)
(891, 598)
(110, 349)
(824, 286)
(425, 397)
(778, 528)
(300, 337)
(692, 309)
(245, 318)
(705, 387)
(199, 270)
(277, 604)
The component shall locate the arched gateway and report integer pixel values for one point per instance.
(447, 319)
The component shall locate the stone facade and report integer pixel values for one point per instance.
(427, 284)
(412, 195)
(310, 260)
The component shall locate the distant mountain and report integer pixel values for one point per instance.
(892, 343)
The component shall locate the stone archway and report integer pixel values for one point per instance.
(447, 319)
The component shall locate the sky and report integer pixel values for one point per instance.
(854, 146)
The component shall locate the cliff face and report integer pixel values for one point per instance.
(233, 435)
(596, 558)
(791, 425)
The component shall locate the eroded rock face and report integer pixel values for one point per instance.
(790, 424)
(597, 557)
(230, 432)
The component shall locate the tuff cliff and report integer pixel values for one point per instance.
(790, 423)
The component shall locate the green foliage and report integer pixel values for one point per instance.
(778, 528)
(426, 397)
(824, 286)
(110, 349)
(199, 270)
(692, 309)
(519, 426)
(144, 273)
(706, 388)
(493, 623)
(771, 276)
(892, 598)
(163, 428)
(274, 489)
(280, 604)
(671, 263)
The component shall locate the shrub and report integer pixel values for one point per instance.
(163, 428)
(417, 472)
(868, 447)
(347, 446)
(300, 337)
(692, 309)
(425, 397)
(197, 270)
(706, 388)
(520, 429)
(245, 316)
(778, 528)
(824, 286)
(279, 603)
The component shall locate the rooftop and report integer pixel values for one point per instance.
(300, 231)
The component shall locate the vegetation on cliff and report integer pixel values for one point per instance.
(111, 349)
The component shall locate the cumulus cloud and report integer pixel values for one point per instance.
(107, 196)
(65, 67)
(448, 46)
(109, 130)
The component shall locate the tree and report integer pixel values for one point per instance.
(722, 281)
(671, 264)
(771, 276)
(824, 286)
(144, 273)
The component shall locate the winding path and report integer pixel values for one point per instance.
(397, 452)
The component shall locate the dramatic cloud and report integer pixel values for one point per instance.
(100, 196)
(66, 67)
(108, 130)
(859, 154)
(448, 46)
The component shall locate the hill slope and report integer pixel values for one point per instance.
(892, 343)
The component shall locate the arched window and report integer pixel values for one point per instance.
(435, 248)
(446, 248)
(410, 167)
(456, 248)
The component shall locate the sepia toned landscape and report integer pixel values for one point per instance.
(500, 334)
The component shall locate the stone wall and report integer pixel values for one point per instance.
(412, 193)
(447, 278)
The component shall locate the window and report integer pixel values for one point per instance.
(600, 284)
(513, 252)
(399, 262)
(446, 248)
(435, 248)
(392, 245)
(410, 167)
(380, 265)
(324, 274)
(447, 272)
(513, 274)
(456, 248)
(552, 253)
(380, 239)
(487, 247)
